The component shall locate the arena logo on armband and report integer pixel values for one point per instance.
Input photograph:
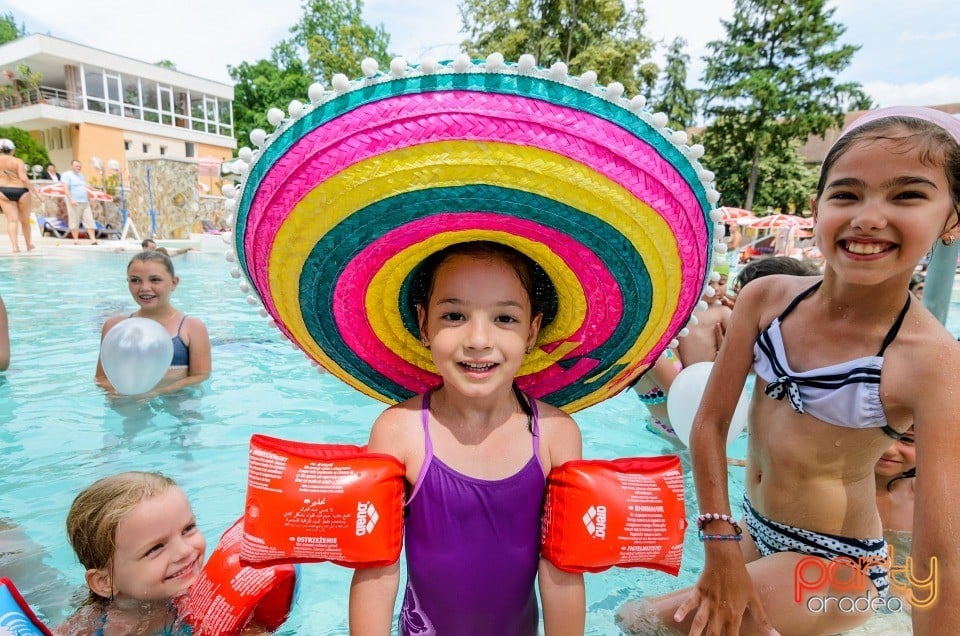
(845, 574)
(367, 517)
(595, 520)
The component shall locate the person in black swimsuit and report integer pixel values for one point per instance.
(13, 185)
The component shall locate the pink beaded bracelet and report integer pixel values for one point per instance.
(715, 516)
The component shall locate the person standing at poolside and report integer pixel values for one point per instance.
(78, 204)
(50, 172)
(14, 185)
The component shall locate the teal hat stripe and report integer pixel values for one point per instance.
(517, 85)
(332, 253)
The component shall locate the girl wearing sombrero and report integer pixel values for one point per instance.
(477, 451)
(486, 246)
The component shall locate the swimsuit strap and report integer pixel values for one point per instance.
(427, 446)
(180, 326)
(103, 620)
(891, 334)
(800, 296)
(896, 326)
(890, 432)
(529, 406)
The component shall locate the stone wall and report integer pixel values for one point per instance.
(177, 203)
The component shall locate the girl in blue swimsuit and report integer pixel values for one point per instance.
(137, 537)
(844, 367)
(151, 280)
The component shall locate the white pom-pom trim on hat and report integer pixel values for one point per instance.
(615, 91)
(369, 66)
(558, 72)
(461, 63)
(398, 67)
(275, 116)
(494, 62)
(526, 63)
(341, 83)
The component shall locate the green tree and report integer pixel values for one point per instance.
(28, 149)
(166, 64)
(333, 38)
(772, 82)
(674, 97)
(9, 29)
(785, 181)
(263, 85)
(604, 36)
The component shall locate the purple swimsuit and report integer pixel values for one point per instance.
(472, 548)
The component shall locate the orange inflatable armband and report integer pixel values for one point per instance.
(621, 512)
(322, 502)
(229, 594)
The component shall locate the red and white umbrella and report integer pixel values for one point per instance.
(732, 215)
(60, 190)
(777, 221)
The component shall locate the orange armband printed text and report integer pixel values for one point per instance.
(322, 502)
(621, 512)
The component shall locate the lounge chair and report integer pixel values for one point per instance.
(52, 225)
(106, 232)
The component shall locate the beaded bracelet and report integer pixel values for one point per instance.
(719, 537)
(714, 516)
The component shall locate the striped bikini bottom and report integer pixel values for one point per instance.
(772, 537)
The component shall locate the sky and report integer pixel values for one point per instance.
(907, 57)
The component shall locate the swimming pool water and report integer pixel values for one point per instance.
(58, 431)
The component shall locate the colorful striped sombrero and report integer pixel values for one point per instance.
(352, 192)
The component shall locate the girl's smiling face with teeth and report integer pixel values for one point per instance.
(159, 549)
(478, 323)
(150, 284)
(881, 210)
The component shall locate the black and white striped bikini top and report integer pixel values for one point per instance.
(845, 394)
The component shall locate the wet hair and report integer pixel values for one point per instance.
(937, 148)
(907, 474)
(916, 280)
(775, 265)
(147, 241)
(97, 511)
(539, 288)
(153, 256)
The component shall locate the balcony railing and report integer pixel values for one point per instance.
(40, 95)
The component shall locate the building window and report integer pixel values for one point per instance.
(190, 149)
(163, 150)
(126, 144)
(146, 148)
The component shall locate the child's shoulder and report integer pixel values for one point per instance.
(556, 420)
(397, 429)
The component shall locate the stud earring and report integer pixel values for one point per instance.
(529, 349)
(948, 241)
